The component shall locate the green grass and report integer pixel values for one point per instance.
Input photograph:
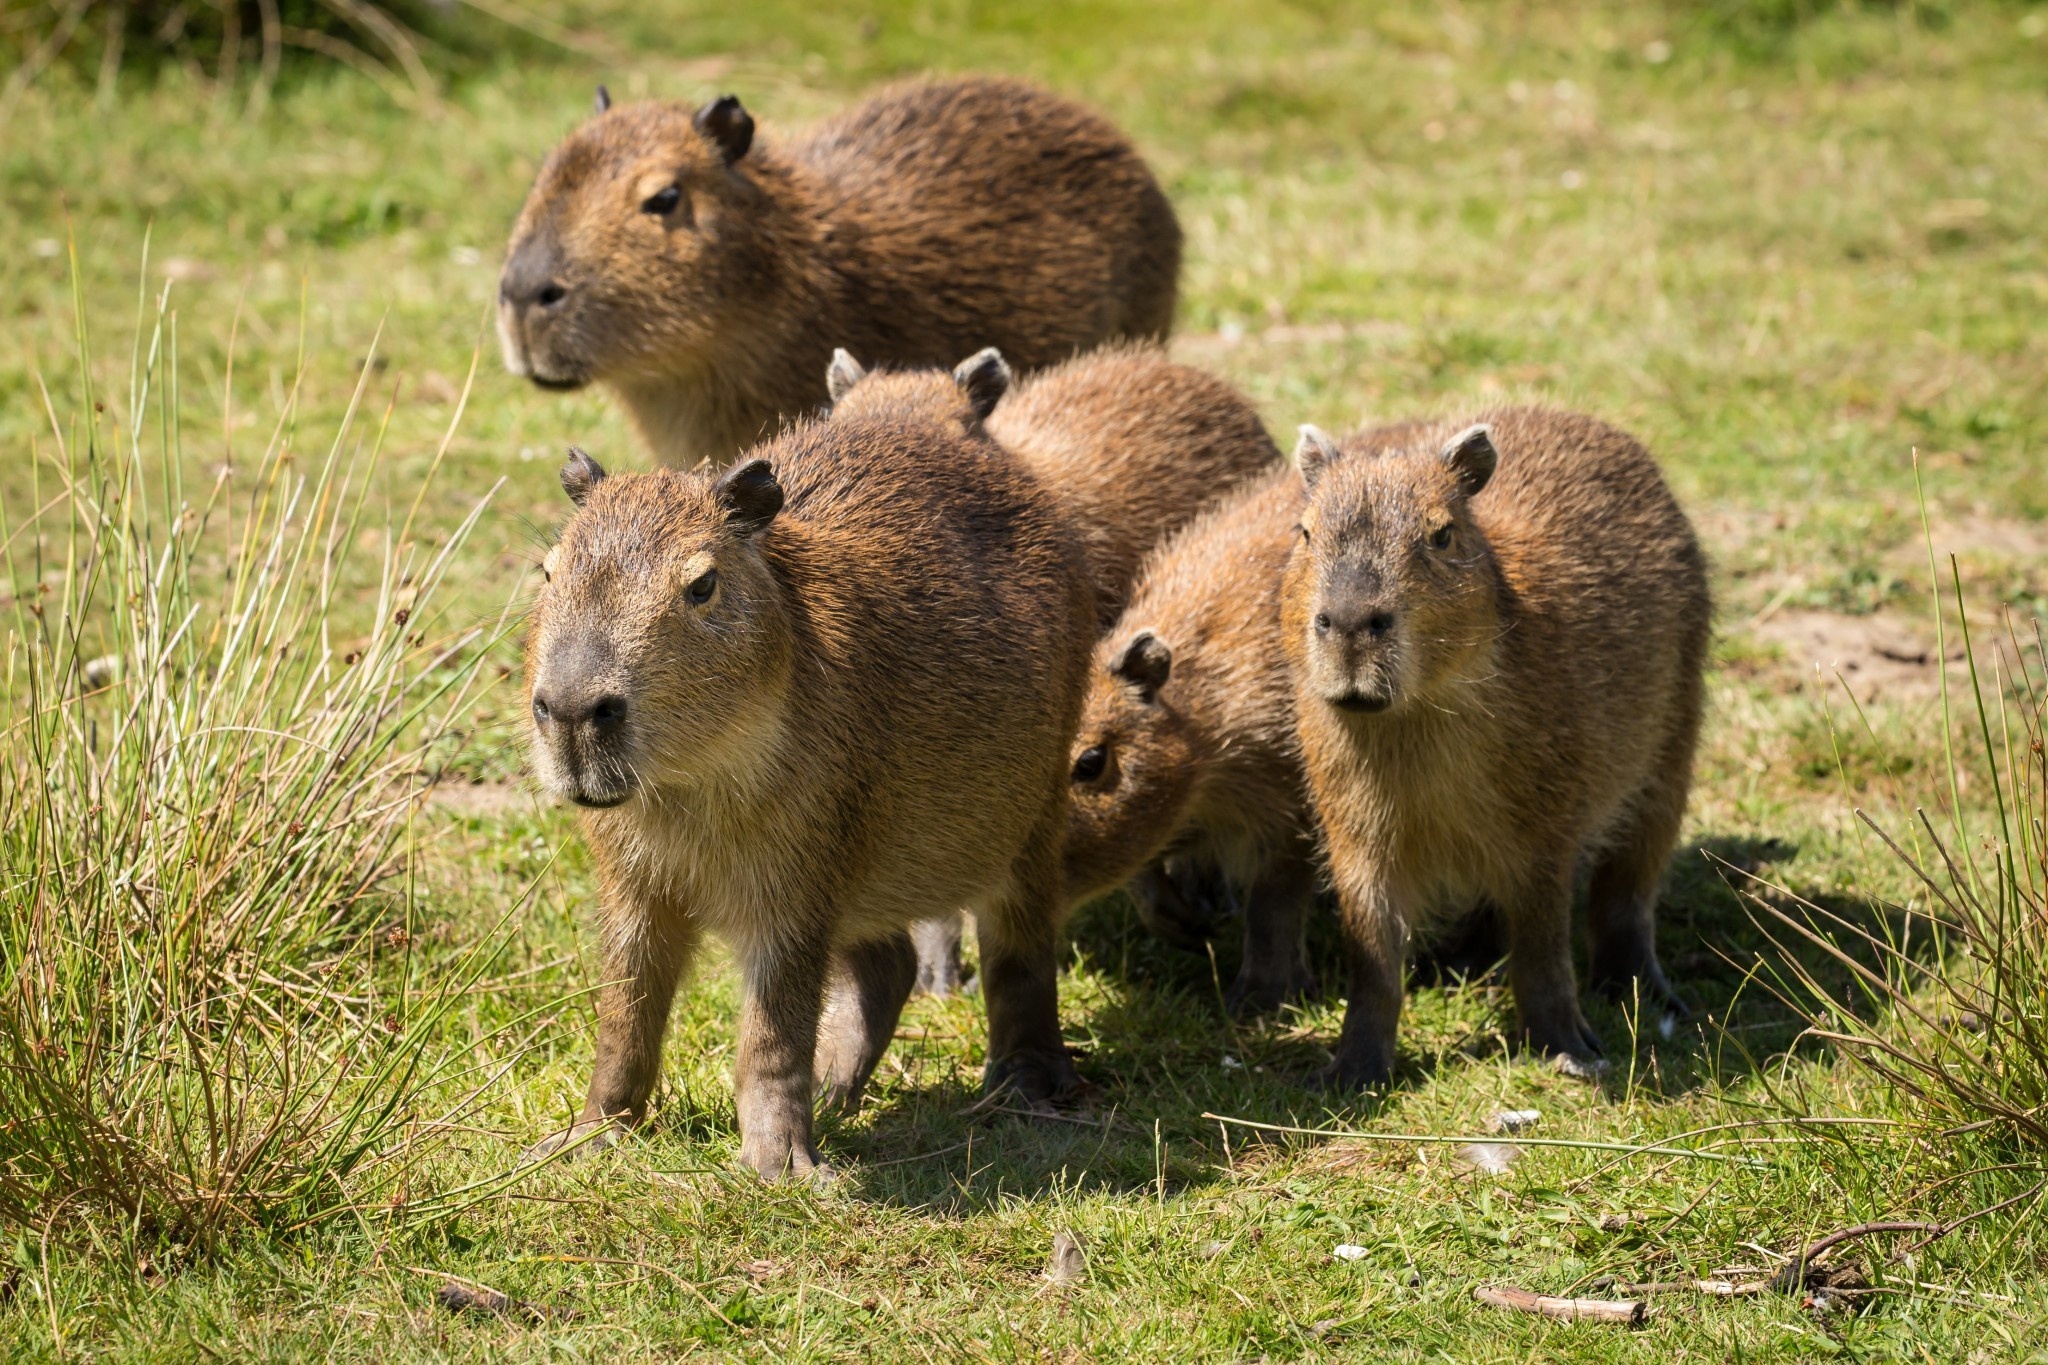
(1787, 245)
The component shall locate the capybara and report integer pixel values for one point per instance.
(806, 704)
(1130, 443)
(705, 273)
(1497, 630)
(1187, 743)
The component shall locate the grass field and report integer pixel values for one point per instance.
(1788, 245)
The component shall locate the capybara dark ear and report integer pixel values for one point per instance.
(727, 123)
(751, 496)
(1313, 452)
(1144, 665)
(985, 376)
(1471, 455)
(604, 100)
(842, 374)
(580, 474)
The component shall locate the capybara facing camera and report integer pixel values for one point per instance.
(1497, 630)
(805, 704)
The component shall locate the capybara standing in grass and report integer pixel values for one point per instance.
(1187, 743)
(1497, 632)
(706, 274)
(1131, 445)
(805, 705)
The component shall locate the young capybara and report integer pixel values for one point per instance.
(1497, 633)
(806, 704)
(1187, 744)
(1131, 444)
(706, 274)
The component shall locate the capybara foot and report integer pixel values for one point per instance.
(1265, 992)
(587, 1137)
(1569, 1042)
(777, 1157)
(1032, 1076)
(1356, 1068)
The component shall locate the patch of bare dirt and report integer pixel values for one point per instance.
(1880, 657)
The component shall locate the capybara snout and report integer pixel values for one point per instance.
(1399, 588)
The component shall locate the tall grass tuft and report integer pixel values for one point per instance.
(224, 705)
(1947, 1000)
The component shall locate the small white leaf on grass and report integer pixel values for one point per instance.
(1069, 1258)
(1488, 1158)
(1209, 1251)
(1231, 1063)
(1345, 1251)
(1513, 1120)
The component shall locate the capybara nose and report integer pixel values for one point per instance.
(605, 714)
(1345, 618)
(531, 278)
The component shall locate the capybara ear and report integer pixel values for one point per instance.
(580, 474)
(751, 496)
(842, 374)
(604, 100)
(1471, 455)
(1144, 665)
(1312, 452)
(985, 376)
(727, 123)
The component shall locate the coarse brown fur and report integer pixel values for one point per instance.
(810, 703)
(1497, 640)
(932, 219)
(1187, 742)
(1132, 445)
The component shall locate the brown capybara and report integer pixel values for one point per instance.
(1187, 744)
(1131, 444)
(806, 704)
(705, 274)
(1497, 631)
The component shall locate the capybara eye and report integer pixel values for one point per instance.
(662, 202)
(1089, 765)
(701, 590)
(1440, 539)
(540, 710)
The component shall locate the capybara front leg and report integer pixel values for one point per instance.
(647, 950)
(774, 1079)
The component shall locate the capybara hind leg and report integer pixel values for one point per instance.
(1540, 972)
(647, 950)
(870, 982)
(938, 955)
(1375, 949)
(1275, 968)
(1621, 908)
(774, 1080)
(1019, 937)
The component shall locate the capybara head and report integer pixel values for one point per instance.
(1392, 589)
(965, 397)
(1133, 763)
(659, 641)
(645, 202)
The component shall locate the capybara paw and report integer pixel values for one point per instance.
(841, 1097)
(1355, 1069)
(1033, 1076)
(1263, 994)
(785, 1157)
(587, 1137)
(1571, 1045)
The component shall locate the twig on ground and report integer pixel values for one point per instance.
(1792, 1277)
(1629, 1311)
